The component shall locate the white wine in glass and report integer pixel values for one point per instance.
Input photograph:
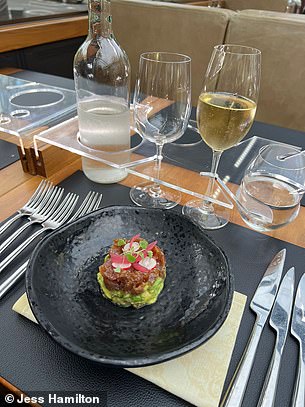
(224, 118)
(225, 113)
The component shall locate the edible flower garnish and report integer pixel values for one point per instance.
(137, 254)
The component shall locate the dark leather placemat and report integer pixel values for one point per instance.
(8, 154)
(32, 361)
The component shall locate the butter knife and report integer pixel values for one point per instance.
(261, 304)
(298, 330)
(279, 320)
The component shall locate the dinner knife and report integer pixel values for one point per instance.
(261, 304)
(279, 320)
(298, 330)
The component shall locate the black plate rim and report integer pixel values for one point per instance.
(122, 362)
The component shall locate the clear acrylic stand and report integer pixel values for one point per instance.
(27, 107)
(187, 154)
(66, 135)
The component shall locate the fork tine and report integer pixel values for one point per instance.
(47, 186)
(50, 204)
(64, 208)
(37, 192)
(29, 207)
(44, 210)
(83, 207)
(40, 207)
(68, 209)
(91, 202)
(98, 202)
(59, 209)
(90, 207)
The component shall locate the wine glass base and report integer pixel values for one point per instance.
(206, 215)
(145, 195)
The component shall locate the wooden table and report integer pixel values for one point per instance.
(16, 187)
(23, 35)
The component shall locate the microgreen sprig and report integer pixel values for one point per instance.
(121, 242)
(133, 254)
(143, 244)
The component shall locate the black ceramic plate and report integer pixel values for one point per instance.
(66, 300)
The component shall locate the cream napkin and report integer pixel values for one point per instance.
(197, 377)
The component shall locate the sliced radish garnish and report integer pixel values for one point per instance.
(118, 258)
(134, 238)
(151, 245)
(138, 267)
(139, 258)
(148, 263)
(122, 266)
(135, 246)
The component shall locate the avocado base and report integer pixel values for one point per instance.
(123, 299)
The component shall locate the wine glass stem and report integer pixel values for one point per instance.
(156, 187)
(214, 167)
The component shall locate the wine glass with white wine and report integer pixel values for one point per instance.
(225, 113)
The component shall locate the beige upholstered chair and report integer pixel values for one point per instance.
(153, 26)
(281, 38)
(272, 5)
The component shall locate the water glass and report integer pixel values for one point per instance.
(273, 186)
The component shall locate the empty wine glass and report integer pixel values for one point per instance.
(225, 113)
(162, 107)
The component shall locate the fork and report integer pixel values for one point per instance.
(44, 210)
(32, 204)
(59, 217)
(90, 204)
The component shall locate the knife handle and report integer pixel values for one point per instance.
(298, 399)
(238, 385)
(267, 397)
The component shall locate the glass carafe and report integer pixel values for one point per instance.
(102, 76)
